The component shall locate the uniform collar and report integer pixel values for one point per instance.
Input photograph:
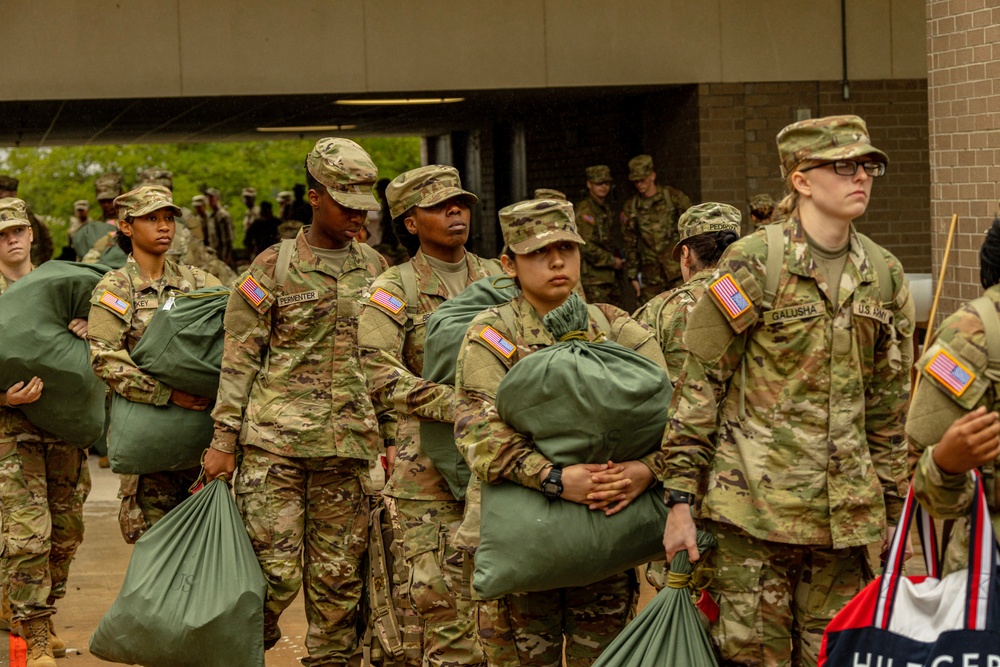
(171, 276)
(800, 260)
(307, 260)
(429, 282)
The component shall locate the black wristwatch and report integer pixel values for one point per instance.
(678, 498)
(552, 485)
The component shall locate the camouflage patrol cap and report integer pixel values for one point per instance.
(640, 167)
(213, 192)
(199, 200)
(548, 193)
(8, 182)
(762, 204)
(346, 170)
(285, 196)
(13, 213)
(536, 223)
(156, 177)
(81, 205)
(830, 138)
(249, 192)
(425, 187)
(706, 218)
(145, 199)
(599, 173)
(108, 186)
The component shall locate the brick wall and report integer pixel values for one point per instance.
(963, 62)
(739, 121)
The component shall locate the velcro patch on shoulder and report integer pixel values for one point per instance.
(252, 291)
(387, 300)
(115, 303)
(952, 374)
(498, 342)
(730, 296)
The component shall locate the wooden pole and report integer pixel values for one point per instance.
(937, 295)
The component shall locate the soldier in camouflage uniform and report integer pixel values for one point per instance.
(43, 481)
(219, 231)
(434, 208)
(804, 453)
(41, 246)
(252, 214)
(293, 401)
(761, 211)
(602, 258)
(649, 219)
(548, 193)
(953, 422)
(542, 254)
(122, 305)
(106, 187)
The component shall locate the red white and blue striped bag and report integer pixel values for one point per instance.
(924, 621)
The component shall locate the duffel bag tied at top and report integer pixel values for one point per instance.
(924, 621)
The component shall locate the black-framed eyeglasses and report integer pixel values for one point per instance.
(850, 167)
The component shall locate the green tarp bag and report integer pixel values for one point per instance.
(193, 594)
(580, 402)
(146, 438)
(182, 345)
(35, 313)
(443, 341)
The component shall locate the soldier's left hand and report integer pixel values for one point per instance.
(578, 484)
(79, 327)
(639, 475)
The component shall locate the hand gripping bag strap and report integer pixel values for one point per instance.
(284, 259)
(408, 276)
(383, 620)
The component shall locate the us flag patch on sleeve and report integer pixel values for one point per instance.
(252, 290)
(387, 301)
(495, 340)
(730, 296)
(950, 372)
(114, 303)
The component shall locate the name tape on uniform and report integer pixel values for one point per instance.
(146, 303)
(875, 312)
(391, 303)
(114, 303)
(300, 297)
(496, 340)
(791, 313)
(950, 372)
(731, 296)
(253, 291)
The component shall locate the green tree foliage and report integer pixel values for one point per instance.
(53, 178)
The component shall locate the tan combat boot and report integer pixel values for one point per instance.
(58, 645)
(36, 634)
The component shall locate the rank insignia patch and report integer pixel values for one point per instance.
(253, 291)
(732, 297)
(114, 303)
(387, 300)
(950, 372)
(498, 342)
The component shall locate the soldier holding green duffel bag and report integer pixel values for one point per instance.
(123, 304)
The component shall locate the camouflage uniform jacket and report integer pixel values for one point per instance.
(939, 400)
(650, 234)
(817, 456)
(494, 450)
(593, 222)
(251, 216)
(667, 316)
(121, 307)
(292, 382)
(14, 426)
(219, 235)
(392, 351)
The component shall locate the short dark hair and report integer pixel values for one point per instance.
(406, 238)
(312, 184)
(124, 242)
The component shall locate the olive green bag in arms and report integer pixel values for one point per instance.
(35, 340)
(579, 402)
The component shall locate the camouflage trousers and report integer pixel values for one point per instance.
(147, 498)
(308, 523)
(43, 486)
(439, 582)
(528, 629)
(776, 599)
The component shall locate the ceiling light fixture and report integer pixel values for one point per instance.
(400, 101)
(306, 128)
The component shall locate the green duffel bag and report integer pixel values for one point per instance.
(182, 345)
(35, 340)
(443, 341)
(193, 594)
(580, 402)
(146, 438)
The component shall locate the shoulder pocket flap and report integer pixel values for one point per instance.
(257, 289)
(953, 374)
(734, 295)
(419, 540)
(114, 303)
(389, 303)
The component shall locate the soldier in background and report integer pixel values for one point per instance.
(249, 196)
(96, 238)
(199, 214)
(650, 221)
(603, 255)
(219, 234)
(761, 211)
(80, 217)
(284, 200)
(301, 210)
(264, 232)
(41, 246)
(303, 487)
(805, 453)
(548, 193)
